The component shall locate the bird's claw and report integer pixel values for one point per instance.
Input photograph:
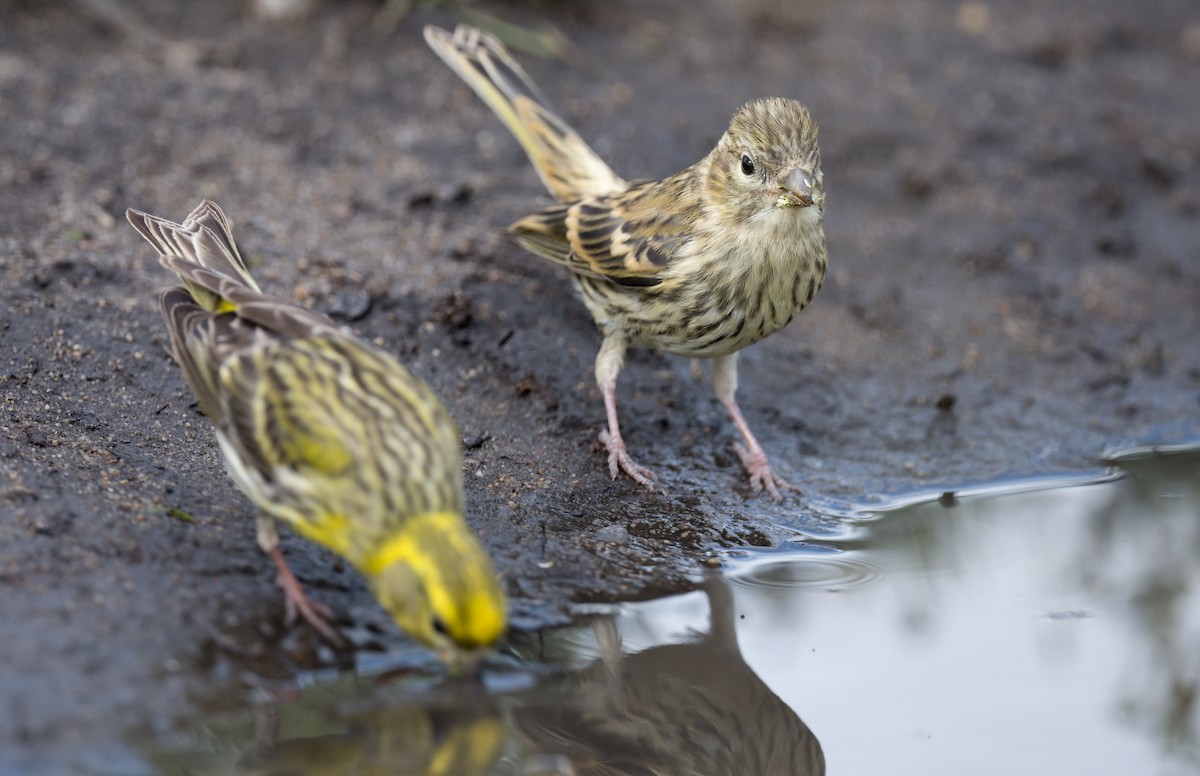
(620, 461)
(762, 477)
(297, 603)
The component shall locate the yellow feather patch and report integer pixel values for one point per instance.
(331, 530)
(478, 618)
(484, 619)
(331, 459)
(402, 546)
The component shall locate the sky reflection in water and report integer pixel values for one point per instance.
(1048, 631)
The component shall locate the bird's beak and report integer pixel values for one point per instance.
(797, 188)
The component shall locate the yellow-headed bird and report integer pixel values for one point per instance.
(330, 435)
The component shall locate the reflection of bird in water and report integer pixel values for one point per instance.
(692, 708)
(410, 741)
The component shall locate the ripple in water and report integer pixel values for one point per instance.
(825, 571)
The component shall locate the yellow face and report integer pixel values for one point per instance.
(439, 616)
(438, 583)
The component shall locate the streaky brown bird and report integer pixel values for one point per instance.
(702, 263)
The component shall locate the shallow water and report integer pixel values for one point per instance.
(1034, 626)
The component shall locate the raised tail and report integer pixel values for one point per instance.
(202, 253)
(204, 241)
(221, 312)
(570, 169)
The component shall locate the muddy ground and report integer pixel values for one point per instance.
(1014, 227)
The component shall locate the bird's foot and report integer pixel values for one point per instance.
(297, 602)
(620, 461)
(762, 477)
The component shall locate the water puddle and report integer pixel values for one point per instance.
(1041, 626)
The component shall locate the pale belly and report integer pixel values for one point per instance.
(701, 319)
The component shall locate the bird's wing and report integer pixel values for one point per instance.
(252, 381)
(288, 411)
(192, 332)
(334, 403)
(245, 367)
(289, 388)
(629, 239)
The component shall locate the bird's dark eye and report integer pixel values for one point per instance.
(747, 165)
(440, 626)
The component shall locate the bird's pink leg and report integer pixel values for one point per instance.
(296, 600)
(752, 455)
(608, 366)
(618, 456)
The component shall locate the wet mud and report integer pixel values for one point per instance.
(1014, 236)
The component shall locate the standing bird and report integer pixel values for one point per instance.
(330, 435)
(702, 263)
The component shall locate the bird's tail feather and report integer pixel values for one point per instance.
(567, 165)
(201, 251)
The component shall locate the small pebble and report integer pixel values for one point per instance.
(614, 534)
(973, 18)
(1190, 39)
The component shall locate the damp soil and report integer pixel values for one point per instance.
(1014, 234)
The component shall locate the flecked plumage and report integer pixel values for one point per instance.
(330, 435)
(702, 263)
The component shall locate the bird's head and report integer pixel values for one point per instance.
(437, 582)
(768, 160)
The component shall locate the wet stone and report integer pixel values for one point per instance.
(613, 534)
